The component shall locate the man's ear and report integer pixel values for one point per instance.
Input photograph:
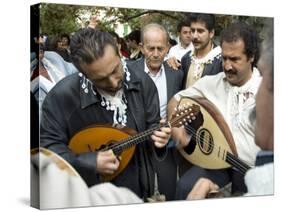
(141, 48)
(212, 33)
(252, 59)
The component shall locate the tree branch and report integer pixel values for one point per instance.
(150, 11)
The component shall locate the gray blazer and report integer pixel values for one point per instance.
(166, 167)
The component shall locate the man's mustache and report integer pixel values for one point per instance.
(231, 71)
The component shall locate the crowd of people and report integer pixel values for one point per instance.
(97, 78)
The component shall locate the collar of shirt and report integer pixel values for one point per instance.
(214, 53)
(250, 86)
(159, 73)
(189, 47)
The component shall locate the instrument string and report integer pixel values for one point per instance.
(133, 140)
(232, 159)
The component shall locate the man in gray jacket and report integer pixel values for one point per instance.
(154, 47)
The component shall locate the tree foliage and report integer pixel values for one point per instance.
(57, 18)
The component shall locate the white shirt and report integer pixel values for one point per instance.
(161, 83)
(260, 180)
(178, 51)
(63, 187)
(235, 104)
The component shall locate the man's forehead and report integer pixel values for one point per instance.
(233, 45)
(185, 28)
(99, 70)
(198, 24)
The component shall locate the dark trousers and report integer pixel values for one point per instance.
(166, 170)
(221, 177)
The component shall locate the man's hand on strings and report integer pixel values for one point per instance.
(107, 162)
(162, 136)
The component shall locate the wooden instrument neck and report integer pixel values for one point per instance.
(234, 161)
(134, 140)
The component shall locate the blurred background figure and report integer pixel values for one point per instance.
(65, 42)
(185, 41)
(133, 41)
(51, 68)
(122, 46)
(93, 22)
(60, 45)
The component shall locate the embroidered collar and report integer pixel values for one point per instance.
(244, 95)
(117, 104)
(214, 53)
(250, 86)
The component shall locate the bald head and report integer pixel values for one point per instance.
(156, 28)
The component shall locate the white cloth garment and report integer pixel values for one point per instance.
(60, 187)
(259, 180)
(178, 51)
(235, 104)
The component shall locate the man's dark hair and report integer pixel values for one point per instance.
(208, 19)
(172, 42)
(135, 35)
(244, 32)
(64, 35)
(87, 45)
(184, 23)
(115, 35)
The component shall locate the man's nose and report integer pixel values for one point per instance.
(194, 34)
(113, 82)
(227, 65)
(155, 53)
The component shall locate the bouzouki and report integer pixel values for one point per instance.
(122, 141)
(215, 147)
